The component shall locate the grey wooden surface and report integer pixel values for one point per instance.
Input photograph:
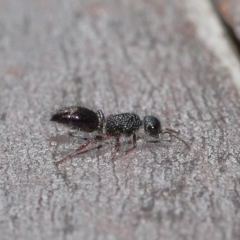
(150, 57)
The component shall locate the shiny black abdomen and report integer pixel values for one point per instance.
(122, 124)
(80, 118)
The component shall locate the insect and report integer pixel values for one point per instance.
(123, 124)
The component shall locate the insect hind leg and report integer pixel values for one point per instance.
(82, 147)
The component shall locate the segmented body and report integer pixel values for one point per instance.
(126, 124)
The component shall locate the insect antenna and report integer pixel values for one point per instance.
(174, 133)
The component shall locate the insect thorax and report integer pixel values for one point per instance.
(122, 124)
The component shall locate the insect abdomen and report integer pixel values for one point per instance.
(77, 117)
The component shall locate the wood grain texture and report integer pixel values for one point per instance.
(118, 56)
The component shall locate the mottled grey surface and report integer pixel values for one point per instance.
(118, 56)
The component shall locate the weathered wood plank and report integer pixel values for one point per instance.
(118, 56)
(229, 10)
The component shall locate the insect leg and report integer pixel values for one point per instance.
(133, 145)
(80, 148)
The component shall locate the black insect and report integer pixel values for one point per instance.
(123, 124)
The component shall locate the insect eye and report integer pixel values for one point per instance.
(151, 128)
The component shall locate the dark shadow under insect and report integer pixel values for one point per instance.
(123, 124)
